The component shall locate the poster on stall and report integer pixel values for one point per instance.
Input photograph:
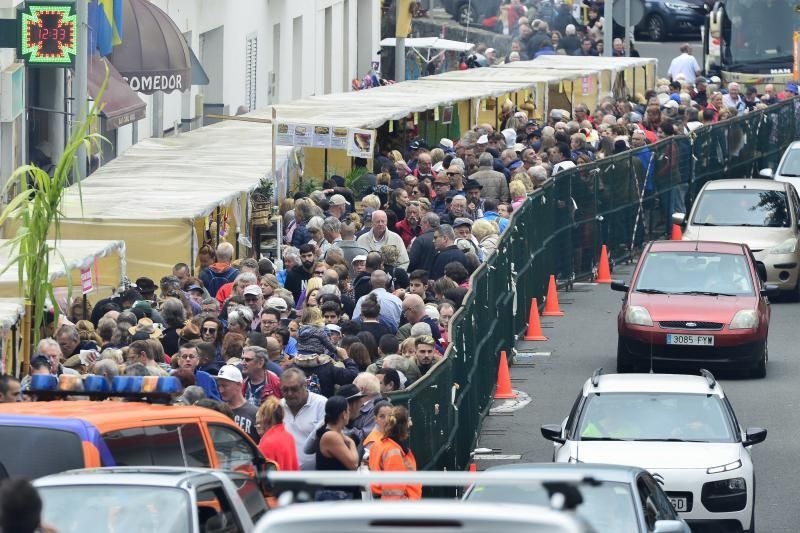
(360, 143)
(587, 85)
(86, 280)
(447, 115)
(322, 136)
(303, 135)
(285, 134)
(339, 138)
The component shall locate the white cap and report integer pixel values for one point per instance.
(333, 327)
(671, 104)
(254, 290)
(230, 373)
(277, 303)
(361, 257)
(446, 142)
(483, 139)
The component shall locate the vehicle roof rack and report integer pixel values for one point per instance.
(596, 377)
(712, 381)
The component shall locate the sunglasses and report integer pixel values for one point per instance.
(453, 173)
(248, 359)
(319, 272)
(209, 330)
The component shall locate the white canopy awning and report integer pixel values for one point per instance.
(560, 62)
(433, 43)
(530, 74)
(11, 310)
(76, 254)
(183, 177)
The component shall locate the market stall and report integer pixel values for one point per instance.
(11, 313)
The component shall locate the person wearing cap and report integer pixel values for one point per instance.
(147, 288)
(472, 190)
(358, 264)
(254, 299)
(337, 207)
(229, 382)
(684, 64)
(463, 228)
(441, 186)
(698, 94)
(490, 183)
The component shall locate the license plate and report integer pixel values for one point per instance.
(690, 340)
(680, 504)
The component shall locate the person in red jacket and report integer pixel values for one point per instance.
(408, 228)
(276, 443)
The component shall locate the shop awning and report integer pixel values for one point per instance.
(120, 104)
(199, 76)
(153, 55)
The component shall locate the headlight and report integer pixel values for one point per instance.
(678, 6)
(786, 247)
(638, 316)
(725, 468)
(744, 319)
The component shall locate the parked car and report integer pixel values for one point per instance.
(143, 500)
(413, 517)
(694, 303)
(471, 12)
(681, 428)
(763, 214)
(614, 497)
(788, 168)
(663, 18)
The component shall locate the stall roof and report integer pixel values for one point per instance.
(11, 310)
(433, 43)
(530, 75)
(76, 254)
(560, 62)
(373, 107)
(183, 177)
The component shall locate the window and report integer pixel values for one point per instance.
(742, 207)
(251, 57)
(250, 494)
(232, 449)
(215, 512)
(170, 445)
(655, 504)
(58, 450)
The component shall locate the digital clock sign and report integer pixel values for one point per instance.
(48, 34)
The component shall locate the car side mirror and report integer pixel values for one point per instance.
(761, 269)
(553, 432)
(766, 173)
(619, 286)
(669, 526)
(678, 218)
(770, 290)
(754, 436)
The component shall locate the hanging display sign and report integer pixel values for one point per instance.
(86, 280)
(48, 33)
(587, 84)
(357, 142)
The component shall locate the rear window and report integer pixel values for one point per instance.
(168, 445)
(742, 207)
(33, 452)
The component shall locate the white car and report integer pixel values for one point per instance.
(789, 167)
(680, 428)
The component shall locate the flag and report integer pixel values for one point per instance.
(105, 25)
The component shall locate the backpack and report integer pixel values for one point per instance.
(217, 280)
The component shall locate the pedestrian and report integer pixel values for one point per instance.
(303, 412)
(229, 383)
(259, 383)
(395, 456)
(276, 444)
(335, 451)
(218, 274)
(685, 64)
(189, 359)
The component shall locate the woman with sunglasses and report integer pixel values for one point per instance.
(211, 330)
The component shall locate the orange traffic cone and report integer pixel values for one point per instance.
(551, 303)
(603, 270)
(503, 391)
(676, 233)
(534, 327)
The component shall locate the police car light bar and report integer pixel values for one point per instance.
(142, 388)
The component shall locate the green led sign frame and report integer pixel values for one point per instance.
(48, 34)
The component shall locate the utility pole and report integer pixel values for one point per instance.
(399, 45)
(628, 27)
(608, 28)
(80, 82)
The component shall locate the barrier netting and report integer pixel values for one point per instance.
(621, 201)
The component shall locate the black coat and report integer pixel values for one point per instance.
(449, 255)
(422, 252)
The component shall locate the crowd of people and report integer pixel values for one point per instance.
(303, 353)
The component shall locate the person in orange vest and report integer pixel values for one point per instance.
(372, 442)
(396, 456)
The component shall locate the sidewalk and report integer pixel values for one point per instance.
(548, 374)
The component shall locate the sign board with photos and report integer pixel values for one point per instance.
(357, 142)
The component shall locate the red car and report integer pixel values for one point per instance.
(695, 302)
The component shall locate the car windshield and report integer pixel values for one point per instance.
(741, 207)
(103, 508)
(607, 507)
(695, 273)
(655, 417)
(791, 164)
(745, 38)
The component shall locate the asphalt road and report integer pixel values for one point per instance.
(585, 339)
(666, 51)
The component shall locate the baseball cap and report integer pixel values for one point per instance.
(230, 373)
(670, 104)
(519, 147)
(194, 287)
(333, 327)
(253, 290)
(715, 79)
(361, 257)
(277, 303)
(462, 221)
(338, 199)
(350, 392)
(700, 79)
(792, 88)
(483, 139)
(145, 285)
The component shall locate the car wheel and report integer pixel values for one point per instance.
(624, 363)
(466, 15)
(760, 369)
(656, 28)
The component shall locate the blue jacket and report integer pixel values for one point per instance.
(491, 216)
(204, 380)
